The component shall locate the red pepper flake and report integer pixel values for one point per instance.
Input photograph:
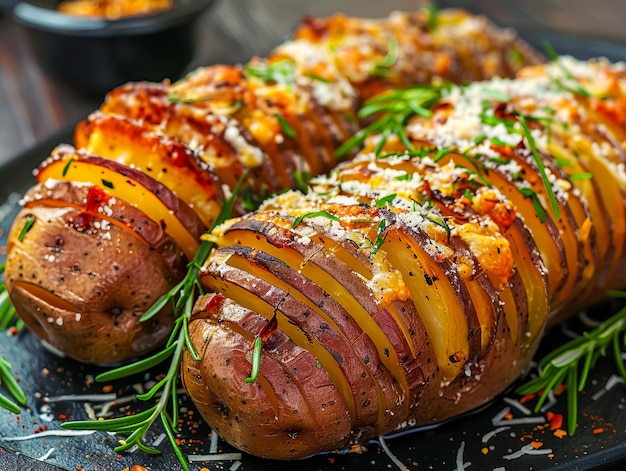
(536, 444)
(527, 397)
(13, 331)
(556, 420)
(484, 450)
(108, 388)
(509, 416)
(331, 460)
(79, 468)
(560, 433)
(559, 390)
(598, 430)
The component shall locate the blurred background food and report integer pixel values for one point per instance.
(33, 106)
(113, 9)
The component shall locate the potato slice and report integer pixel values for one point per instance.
(132, 186)
(160, 156)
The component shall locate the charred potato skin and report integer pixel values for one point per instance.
(83, 291)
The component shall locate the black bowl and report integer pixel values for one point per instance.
(94, 55)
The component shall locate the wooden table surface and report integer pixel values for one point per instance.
(33, 108)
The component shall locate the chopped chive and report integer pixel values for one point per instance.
(107, 183)
(30, 220)
(67, 166)
(515, 57)
(281, 72)
(441, 153)
(314, 214)
(380, 238)
(541, 213)
(256, 360)
(382, 68)
(176, 99)
(500, 160)
(287, 129)
(496, 94)
(303, 179)
(540, 167)
(479, 139)
(578, 87)
(433, 16)
(499, 142)
(317, 78)
(385, 200)
(562, 161)
(581, 176)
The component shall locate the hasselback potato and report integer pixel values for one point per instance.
(413, 283)
(165, 148)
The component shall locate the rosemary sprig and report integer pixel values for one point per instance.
(8, 318)
(12, 387)
(183, 295)
(571, 363)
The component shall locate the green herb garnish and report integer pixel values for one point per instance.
(495, 94)
(540, 167)
(256, 360)
(581, 176)
(385, 200)
(303, 180)
(287, 129)
(30, 220)
(67, 167)
(541, 213)
(383, 68)
(8, 318)
(107, 183)
(433, 15)
(182, 296)
(314, 214)
(380, 237)
(577, 88)
(12, 387)
(571, 363)
(395, 108)
(282, 72)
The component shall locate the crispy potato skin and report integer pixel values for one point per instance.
(82, 287)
